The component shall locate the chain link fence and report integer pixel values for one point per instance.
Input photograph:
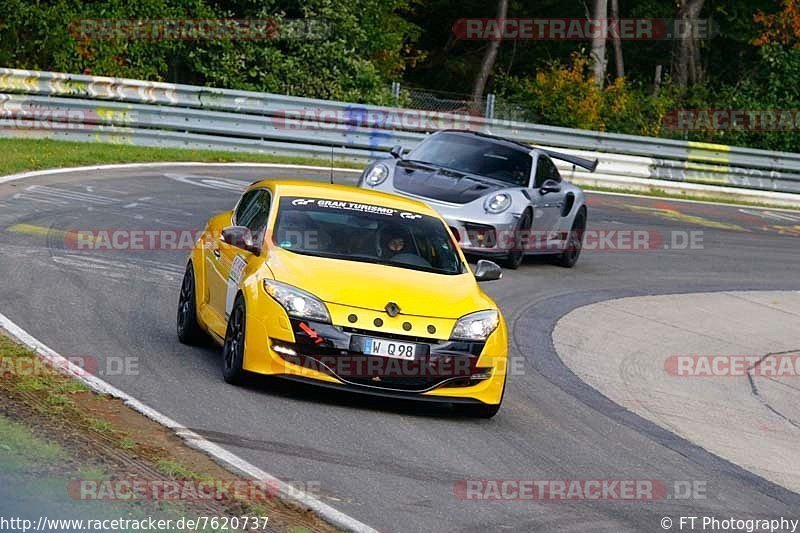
(459, 103)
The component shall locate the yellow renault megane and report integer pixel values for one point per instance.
(345, 288)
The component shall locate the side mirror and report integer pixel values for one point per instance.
(397, 151)
(550, 186)
(240, 237)
(487, 271)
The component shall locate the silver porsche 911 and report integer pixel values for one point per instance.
(501, 198)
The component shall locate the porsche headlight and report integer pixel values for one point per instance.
(297, 302)
(377, 175)
(497, 203)
(476, 326)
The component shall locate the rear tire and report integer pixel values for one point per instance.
(189, 330)
(233, 349)
(570, 255)
(516, 256)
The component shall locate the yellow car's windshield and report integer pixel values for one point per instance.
(356, 231)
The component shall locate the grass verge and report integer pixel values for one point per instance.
(22, 155)
(47, 446)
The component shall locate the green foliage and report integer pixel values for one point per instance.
(354, 58)
(567, 96)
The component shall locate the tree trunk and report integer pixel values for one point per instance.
(598, 53)
(615, 40)
(489, 57)
(687, 68)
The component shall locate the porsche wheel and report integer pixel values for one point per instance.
(569, 256)
(233, 349)
(515, 257)
(189, 330)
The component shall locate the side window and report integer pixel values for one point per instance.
(554, 174)
(246, 209)
(253, 212)
(545, 170)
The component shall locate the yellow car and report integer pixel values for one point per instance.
(346, 288)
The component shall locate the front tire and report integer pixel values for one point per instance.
(189, 330)
(515, 256)
(570, 255)
(233, 349)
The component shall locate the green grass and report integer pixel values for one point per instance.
(32, 375)
(20, 155)
(19, 442)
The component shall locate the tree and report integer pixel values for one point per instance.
(687, 68)
(489, 57)
(615, 40)
(598, 53)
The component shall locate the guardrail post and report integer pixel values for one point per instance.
(489, 112)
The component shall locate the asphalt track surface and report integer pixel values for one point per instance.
(394, 465)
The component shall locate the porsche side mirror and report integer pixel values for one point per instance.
(550, 186)
(487, 271)
(240, 237)
(397, 151)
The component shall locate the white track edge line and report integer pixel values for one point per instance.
(123, 166)
(192, 439)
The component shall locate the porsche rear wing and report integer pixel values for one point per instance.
(588, 164)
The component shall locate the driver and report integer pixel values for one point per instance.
(393, 240)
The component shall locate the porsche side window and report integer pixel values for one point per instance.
(545, 170)
(554, 174)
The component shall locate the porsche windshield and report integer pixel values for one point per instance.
(355, 231)
(475, 155)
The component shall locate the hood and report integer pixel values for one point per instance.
(436, 183)
(372, 286)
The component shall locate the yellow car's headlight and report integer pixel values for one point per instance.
(476, 326)
(297, 302)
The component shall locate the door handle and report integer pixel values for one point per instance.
(216, 253)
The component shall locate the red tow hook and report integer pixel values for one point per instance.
(311, 333)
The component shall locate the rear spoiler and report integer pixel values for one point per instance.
(588, 164)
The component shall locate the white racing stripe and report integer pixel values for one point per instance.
(219, 454)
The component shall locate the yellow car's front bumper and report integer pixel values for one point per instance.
(447, 371)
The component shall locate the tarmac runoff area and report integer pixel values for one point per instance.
(721, 370)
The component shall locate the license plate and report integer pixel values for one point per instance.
(386, 348)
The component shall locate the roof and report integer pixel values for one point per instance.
(315, 189)
(500, 140)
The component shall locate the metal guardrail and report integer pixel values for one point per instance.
(91, 108)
